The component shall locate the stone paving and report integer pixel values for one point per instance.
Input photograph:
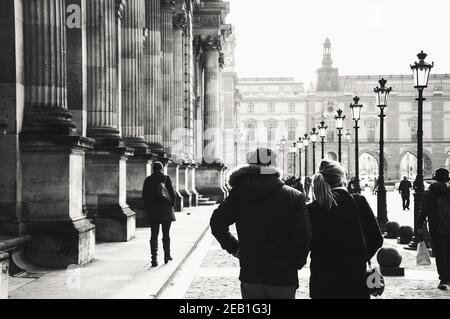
(217, 277)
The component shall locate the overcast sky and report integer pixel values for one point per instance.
(285, 37)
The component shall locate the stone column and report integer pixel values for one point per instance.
(12, 92)
(184, 185)
(152, 77)
(167, 10)
(133, 118)
(52, 156)
(106, 164)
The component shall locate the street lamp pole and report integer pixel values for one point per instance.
(305, 146)
(382, 94)
(421, 71)
(323, 134)
(339, 126)
(293, 151)
(300, 147)
(348, 138)
(356, 112)
(313, 139)
(283, 143)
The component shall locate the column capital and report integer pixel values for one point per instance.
(120, 8)
(180, 20)
(168, 4)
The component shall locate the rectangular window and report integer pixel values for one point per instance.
(271, 108)
(291, 107)
(251, 132)
(291, 131)
(251, 108)
(270, 132)
(371, 129)
(413, 131)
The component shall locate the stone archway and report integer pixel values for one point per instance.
(408, 166)
(368, 166)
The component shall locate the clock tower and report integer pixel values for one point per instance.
(327, 76)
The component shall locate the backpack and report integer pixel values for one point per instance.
(162, 191)
(442, 222)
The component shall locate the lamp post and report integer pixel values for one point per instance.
(348, 139)
(300, 148)
(382, 94)
(293, 151)
(339, 126)
(421, 72)
(356, 113)
(283, 144)
(305, 146)
(323, 133)
(313, 140)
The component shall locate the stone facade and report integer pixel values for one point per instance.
(284, 105)
(91, 94)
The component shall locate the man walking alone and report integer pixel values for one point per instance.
(273, 229)
(405, 192)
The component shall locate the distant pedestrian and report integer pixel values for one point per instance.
(352, 186)
(298, 185)
(436, 208)
(273, 229)
(338, 253)
(307, 188)
(405, 191)
(159, 199)
(375, 186)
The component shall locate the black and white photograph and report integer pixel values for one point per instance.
(218, 155)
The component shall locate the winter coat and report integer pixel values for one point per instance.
(430, 204)
(272, 226)
(338, 254)
(158, 209)
(404, 188)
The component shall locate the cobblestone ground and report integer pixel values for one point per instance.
(217, 277)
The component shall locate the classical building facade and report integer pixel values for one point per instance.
(275, 108)
(93, 92)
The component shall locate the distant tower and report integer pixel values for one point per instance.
(327, 76)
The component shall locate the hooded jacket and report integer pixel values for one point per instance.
(430, 202)
(272, 224)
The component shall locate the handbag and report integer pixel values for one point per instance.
(163, 192)
(373, 278)
(423, 256)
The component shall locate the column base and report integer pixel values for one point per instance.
(173, 172)
(209, 182)
(4, 275)
(184, 190)
(115, 224)
(59, 244)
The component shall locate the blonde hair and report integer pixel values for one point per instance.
(330, 176)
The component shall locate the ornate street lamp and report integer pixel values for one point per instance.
(293, 151)
(305, 146)
(314, 134)
(421, 73)
(339, 126)
(323, 133)
(283, 144)
(356, 112)
(382, 95)
(300, 148)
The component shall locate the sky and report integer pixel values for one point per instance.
(284, 38)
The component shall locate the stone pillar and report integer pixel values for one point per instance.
(133, 117)
(188, 83)
(152, 77)
(106, 164)
(167, 10)
(52, 155)
(173, 170)
(184, 185)
(12, 92)
(191, 186)
(4, 274)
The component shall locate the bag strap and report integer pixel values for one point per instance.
(356, 200)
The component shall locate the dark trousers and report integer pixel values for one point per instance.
(259, 291)
(406, 200)
(155, 226)
(441, 248)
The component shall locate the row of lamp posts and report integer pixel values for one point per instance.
(421, 73)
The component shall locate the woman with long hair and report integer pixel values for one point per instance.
(339, 222)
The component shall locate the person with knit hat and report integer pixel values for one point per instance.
(338, 251)
(436, 209)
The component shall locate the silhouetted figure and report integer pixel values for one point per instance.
(307, 188)
(405, 191)
(436, 209)
(338, 253)
(273, 228)
(159, 208)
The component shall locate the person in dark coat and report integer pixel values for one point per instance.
(272, 226)
(307, 187)
(405, 191)
(159, 210)
(338, 253)
(439, 223)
